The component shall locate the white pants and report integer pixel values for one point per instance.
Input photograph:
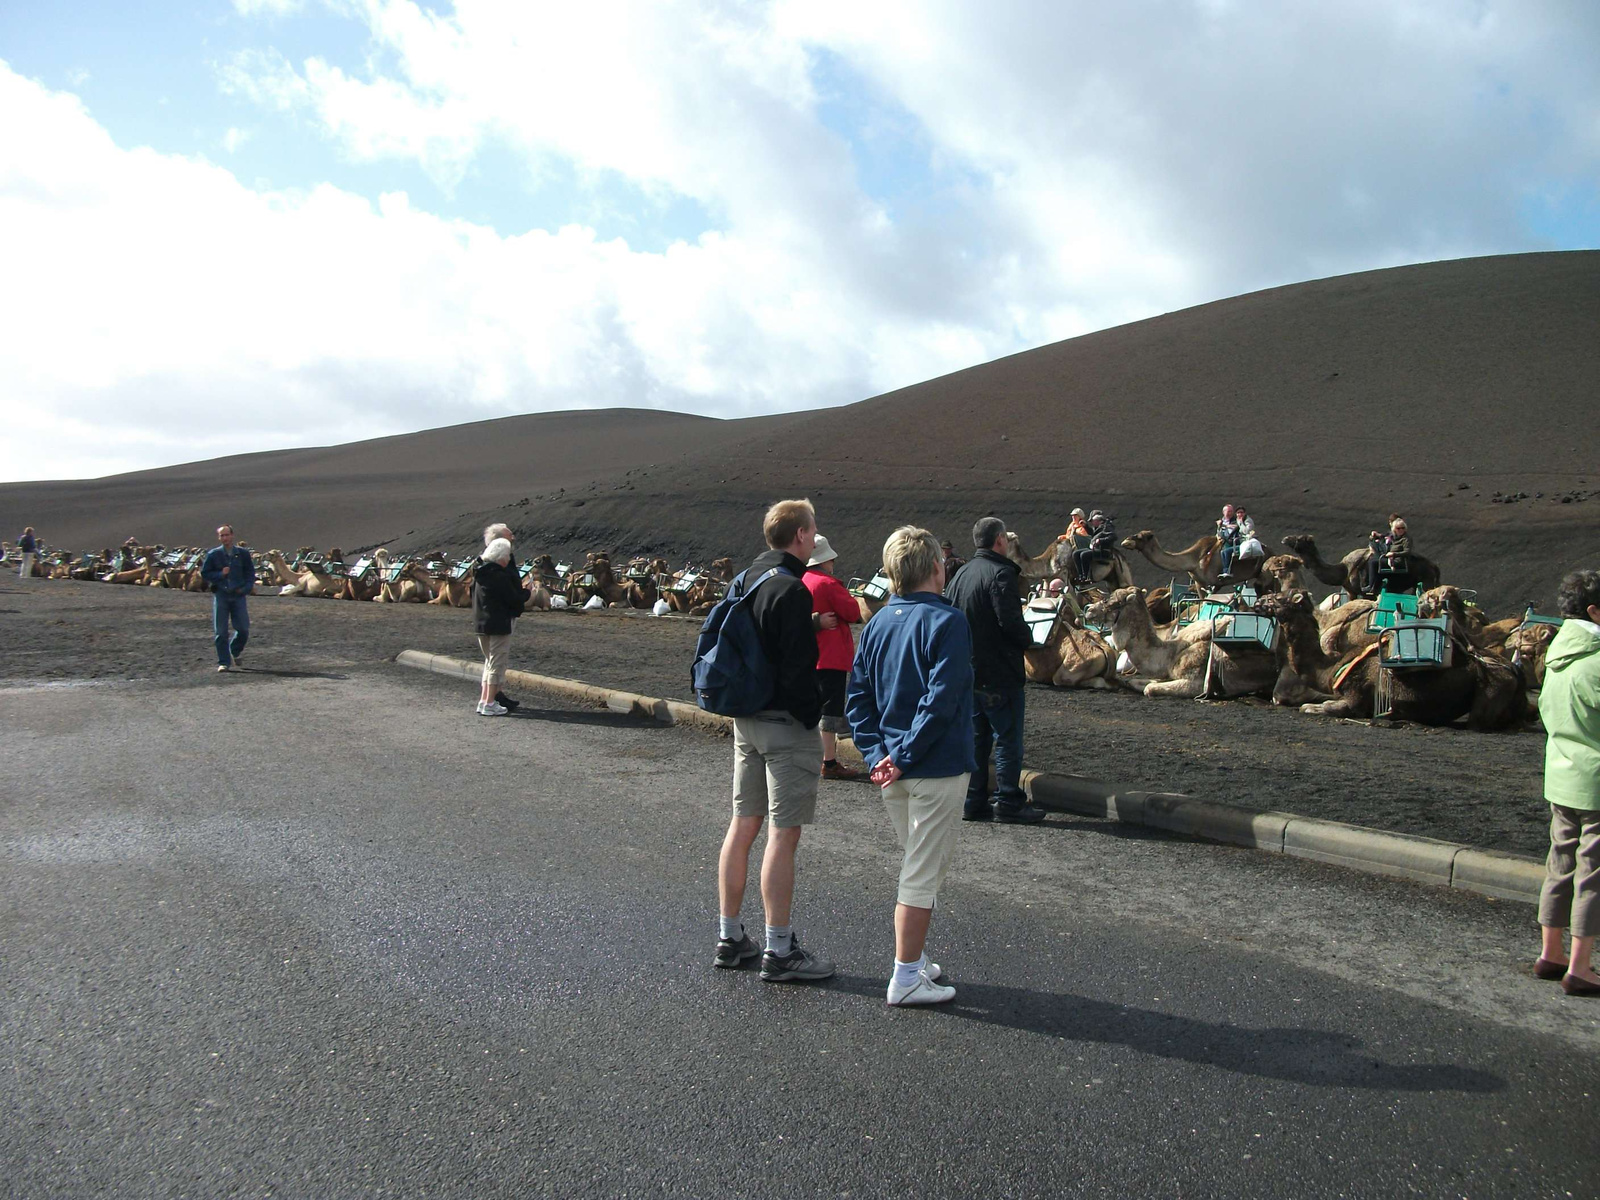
(925, 814)
(27, 564)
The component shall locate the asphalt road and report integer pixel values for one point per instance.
(297, 932)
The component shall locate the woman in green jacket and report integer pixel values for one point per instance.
(1569, 706)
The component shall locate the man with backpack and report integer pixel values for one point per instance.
(777, 749)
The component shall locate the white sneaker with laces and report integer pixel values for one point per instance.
(492, 709)
(923, 991)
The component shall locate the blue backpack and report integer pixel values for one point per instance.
(731, 672)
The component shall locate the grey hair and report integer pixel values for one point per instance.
(498, 550)
(1578, 591)
(911, 556)
(986, 531)
(497, 530)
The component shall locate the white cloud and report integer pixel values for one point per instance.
(1084, 165)
(78, 76)
(235, 137)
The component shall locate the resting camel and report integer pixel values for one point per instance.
(1202, 561)
(307, 581)
(594, 579)
(700, 598)
(1056, 562)
(413, 585)
(1488, 692)
(1072, 657)
(139, 573)
(1176, 662)
(1489, 637)
(1350, 572)
(640, 589)
(1526, 648)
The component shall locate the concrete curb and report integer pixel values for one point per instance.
(1377, 851)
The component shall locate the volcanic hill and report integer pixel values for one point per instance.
(1437, 390)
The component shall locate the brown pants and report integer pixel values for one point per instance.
(1571, 894)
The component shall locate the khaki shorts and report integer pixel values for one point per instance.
(496, 649)
(776, 764)
(925, 814)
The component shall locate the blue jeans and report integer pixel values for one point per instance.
(222, 609)
(997, 726)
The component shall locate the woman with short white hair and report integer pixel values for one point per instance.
(910, 707)
(497, 600)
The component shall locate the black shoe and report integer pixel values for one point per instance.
(507, 702)
(978, 812)
(732, 953)
(796, 966)
(1018, 814)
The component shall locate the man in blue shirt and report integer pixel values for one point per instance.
(910, 708)
(231, 574)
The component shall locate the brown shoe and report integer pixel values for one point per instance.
(1545, 969)
(834, 770)
(1573, 986)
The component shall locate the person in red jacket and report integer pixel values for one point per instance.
(833, 611)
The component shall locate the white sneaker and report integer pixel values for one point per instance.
(492, 709)
(222, 667)
(923, 991)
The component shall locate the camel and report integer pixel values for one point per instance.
(1526, 648)
(144, 564)
(1202, 561)
(1072, 657)
(1177, 662)
(699, 597)
(370, 584)
(1488, 692)
(1056, 562)
(640, 589)
(596, 579)
(411, 583)
(1489, 637)
(451, 585)
(1350, 572)
(309, 580)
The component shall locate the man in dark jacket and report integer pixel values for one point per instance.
(986, 591)
(230, 573)
(777, 753)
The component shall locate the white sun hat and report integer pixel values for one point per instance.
(822, 552)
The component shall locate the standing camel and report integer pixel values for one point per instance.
(1350, 571)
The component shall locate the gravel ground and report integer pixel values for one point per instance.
(1482, 789)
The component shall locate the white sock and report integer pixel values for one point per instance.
(905, 973)
(780, 939)
(730, 927)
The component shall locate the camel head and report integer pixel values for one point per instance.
(545, 563)
(1139, 541)
(1105, 612)
(1443, 601)
(1284, 605)
(1301, 543)
(722, 568)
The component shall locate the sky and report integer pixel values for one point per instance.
(239, 225)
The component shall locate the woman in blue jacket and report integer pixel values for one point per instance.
(910, 708)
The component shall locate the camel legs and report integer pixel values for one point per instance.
(1359, 705)
(1183, 689)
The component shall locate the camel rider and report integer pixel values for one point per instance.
(1078, 530)
(1391, 553)
(1102, 540)
(1228, 534)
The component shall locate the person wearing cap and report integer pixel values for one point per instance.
(1078, 532)
(1228, 535)
(833, 611)
(1102, 538)
(952, 563)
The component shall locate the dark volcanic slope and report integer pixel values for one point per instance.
(1322, 406)
(357, 494)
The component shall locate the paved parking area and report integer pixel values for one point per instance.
(328, 933)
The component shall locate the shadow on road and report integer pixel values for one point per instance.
(1310, 1056)
(611, 720)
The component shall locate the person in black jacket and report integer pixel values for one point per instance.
(497, 600)
(777, 753)
(986, 591)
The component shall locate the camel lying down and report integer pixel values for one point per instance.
(1176, 660)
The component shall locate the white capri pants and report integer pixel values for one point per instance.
(925, 814)
(496, 649)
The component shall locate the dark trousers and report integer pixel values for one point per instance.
(224, 609)
(997, 727)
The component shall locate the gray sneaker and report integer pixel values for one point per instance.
(797, 966)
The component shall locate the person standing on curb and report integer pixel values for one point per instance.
(1569, 708)
(497, 600)
(231, 573)
(500, 530)
(777, 755)
(910, 706)
(29, 546)
(834, 610)
(986, 591)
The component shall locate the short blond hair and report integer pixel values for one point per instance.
(785, 520)
(910, 557)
